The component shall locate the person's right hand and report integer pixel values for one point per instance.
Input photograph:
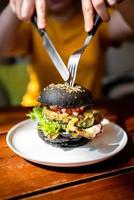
(24, 10)
(100, 6)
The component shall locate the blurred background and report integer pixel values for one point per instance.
(118, 79)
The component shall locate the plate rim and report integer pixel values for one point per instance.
(11, 132)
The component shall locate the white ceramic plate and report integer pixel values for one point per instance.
(23, 139)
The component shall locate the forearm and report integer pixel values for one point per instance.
(9, 25)
(126, 8)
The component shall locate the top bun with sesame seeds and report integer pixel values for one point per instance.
(66, 96)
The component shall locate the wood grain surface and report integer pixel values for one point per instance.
(120, 187)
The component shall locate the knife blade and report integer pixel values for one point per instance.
(52, 52)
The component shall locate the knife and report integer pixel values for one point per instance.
(52, 52)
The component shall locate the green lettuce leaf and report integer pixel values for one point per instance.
(49, 127)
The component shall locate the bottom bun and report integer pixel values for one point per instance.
(64, 140)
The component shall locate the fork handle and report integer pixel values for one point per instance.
(97, 21)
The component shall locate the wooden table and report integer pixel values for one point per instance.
(111, 180)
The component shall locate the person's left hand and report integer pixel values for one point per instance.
(24, 10)
(89, 6)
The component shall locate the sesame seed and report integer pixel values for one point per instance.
(66, 87)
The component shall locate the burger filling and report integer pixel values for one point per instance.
(79, 121)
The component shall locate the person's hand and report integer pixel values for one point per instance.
(24, 10)
(89, 6)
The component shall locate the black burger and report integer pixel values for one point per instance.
(65, 115)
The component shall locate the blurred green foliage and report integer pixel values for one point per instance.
(13, 81)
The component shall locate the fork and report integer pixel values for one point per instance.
(75, 57)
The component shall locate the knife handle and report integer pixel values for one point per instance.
(34, 21)
(97, 21)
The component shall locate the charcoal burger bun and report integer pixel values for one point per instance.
(65, 96)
